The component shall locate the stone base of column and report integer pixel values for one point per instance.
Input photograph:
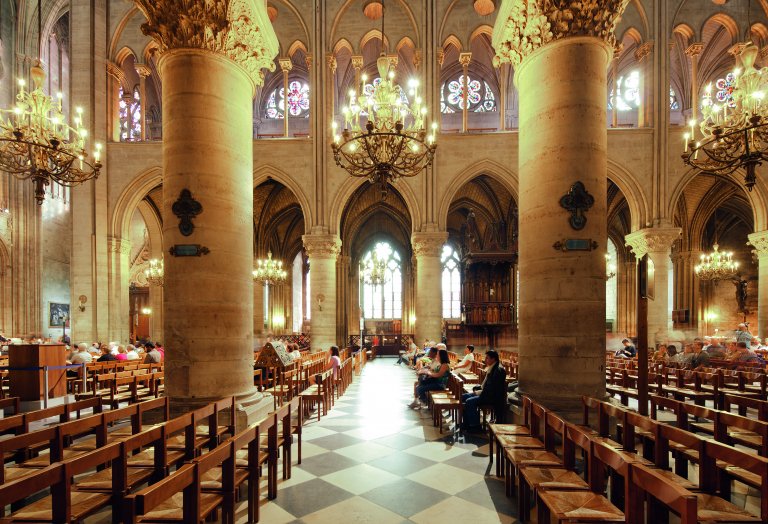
(250, 408)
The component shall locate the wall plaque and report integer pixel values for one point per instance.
(575, 244)
(578, 202)
(188, 250)
(186, 208)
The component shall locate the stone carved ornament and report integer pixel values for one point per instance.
(322, 246)
(428, 244)
(523, 26)
(759, 241)
(228, 27)
(652, 240)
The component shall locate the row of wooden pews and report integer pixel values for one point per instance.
(149, 467)
(577, 474)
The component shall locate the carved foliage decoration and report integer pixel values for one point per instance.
(220, 26)
(322, 246)
(526, 25)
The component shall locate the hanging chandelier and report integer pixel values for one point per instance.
(610, 267)
(37, 143)
(269, 271)
(155, 272)
(734, 127)
(374, 270)
(384, 136)
(718, 265)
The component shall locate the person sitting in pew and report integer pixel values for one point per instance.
(628, 350)
(715, 349)
(106, 355)
(743, 354)
(492, 392)
(466, 362)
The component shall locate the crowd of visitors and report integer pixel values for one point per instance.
(145, 352)
(433, 369)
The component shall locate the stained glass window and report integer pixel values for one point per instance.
(130, 116)
(480, 97)
(298, 101)
(725, 90)
(384, 301)
(674, 104)
(451, 283)
(627, 91)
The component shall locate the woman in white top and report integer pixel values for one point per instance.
(132, 354)
(466, 363)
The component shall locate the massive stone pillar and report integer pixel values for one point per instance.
(210, 67)
(657, 243)
(560, 54)
(760, 242)
(322, 250)
(427, 248)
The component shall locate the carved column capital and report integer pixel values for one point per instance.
(417, 58)
(428, 244)
(357, 62)
(440, 57)
(652, 240)
(332, 63)
(694, 49)
(322, 246)
(119, 245)
(115, 71)
(465, 59)
(238, 29)
(736, 49)
(285, 64)
(759, 240)
(308, 61)
(143, 70)
(643, 51)
(523, 27)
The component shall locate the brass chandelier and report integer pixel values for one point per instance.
(392, 142)
(718, 265)
(374, 270)
(155, 272)
(734, 127)
(269, 271)
(37, 143)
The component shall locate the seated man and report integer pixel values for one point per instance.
(493, 392)
(628, 351)
(466, 362)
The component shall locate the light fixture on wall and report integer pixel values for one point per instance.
(610, 267)
(155, 272)
(269, 271)
(146, 311)
(734, 127)
(37, 143)
(393, 143)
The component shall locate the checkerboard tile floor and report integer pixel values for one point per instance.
(374, 460)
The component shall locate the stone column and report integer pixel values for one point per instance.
(119, 280)
(641, 54)
(563, 142)
(504, 71)
(759, 241)
(693, 51)
(657, 243)
(116, 80)
(617, 49)
(144, 71)
(464, 60)
(258, 308)
(322, 250)
(357, 65)
(427, 248)
(331, 61)
(285, 66)
(208, 194)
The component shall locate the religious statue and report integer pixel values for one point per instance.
(741, 293)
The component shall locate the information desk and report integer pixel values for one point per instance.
(30, 385)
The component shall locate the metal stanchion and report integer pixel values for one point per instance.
(45, 387)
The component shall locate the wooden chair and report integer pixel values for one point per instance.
(646, 483)
(494, 430)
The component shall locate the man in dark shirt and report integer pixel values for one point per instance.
(628, 351)
(493, 392)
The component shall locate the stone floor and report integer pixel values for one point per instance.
(374, 460)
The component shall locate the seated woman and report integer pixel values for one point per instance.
(435, 378)
(408, 355)
(334, 362)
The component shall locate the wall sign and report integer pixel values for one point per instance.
(188, 250)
